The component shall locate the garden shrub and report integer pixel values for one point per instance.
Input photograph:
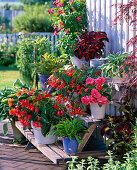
(32, 2)
(8, 53)
(34, 19)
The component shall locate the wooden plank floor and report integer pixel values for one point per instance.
(53, 152)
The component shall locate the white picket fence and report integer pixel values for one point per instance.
(16, 37)
(101, 14)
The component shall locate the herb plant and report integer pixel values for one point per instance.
(70, 128)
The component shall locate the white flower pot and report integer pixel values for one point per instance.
(97, 112)
(96, 62)
(40, 139)
(79, 62)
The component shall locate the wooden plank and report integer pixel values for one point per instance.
(46, 150)
(86, 137)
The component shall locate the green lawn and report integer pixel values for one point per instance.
(8, 76)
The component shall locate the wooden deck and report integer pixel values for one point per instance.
(55, 151)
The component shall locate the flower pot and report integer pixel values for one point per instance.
(17, 134)
(70, 146)
(96, 62)
(97, 112)
(40, 139)
(79, 62)
(43, 80)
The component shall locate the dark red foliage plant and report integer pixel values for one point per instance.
(90, 45)
(128, 12)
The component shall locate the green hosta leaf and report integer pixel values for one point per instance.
(115, 69)
(5, 128)
(45, 129)
(18, 83)
(5, 100)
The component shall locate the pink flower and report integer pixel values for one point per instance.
(55, 27)
(85, 90)
(100, 80)
(51, 11)
(61, 23)
(102, 100)
(61, 11)
(78, 18)
(66, 31)
(55, 2)
(55, 33)
(73, 10)
(70, 1)
(60, 4)
(89, 81)
(36, 109)
(60, 28)
(95, 93)
(85, 100)
(92, 99)
(99, 87)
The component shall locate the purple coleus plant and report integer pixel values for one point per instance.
(90, 45)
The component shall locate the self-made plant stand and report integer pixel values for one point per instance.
(55, 152)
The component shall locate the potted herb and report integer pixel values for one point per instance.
(69, 130)
(96, 92)
(90, 45)
(40, 112)
(48, 63)
(112, 67)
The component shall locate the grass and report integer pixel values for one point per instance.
(8, 76)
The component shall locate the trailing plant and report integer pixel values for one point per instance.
(69, 84)
(29, 53)
(114, 62)
(33, 19)
(119, 130)
(90, 45)
(69, 20)
(70, 128)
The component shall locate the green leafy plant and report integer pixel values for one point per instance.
(48, 63)
(119, 130)
(70, 128)
(9, 99)
(34, 19)
(29, 53)
(114, 62)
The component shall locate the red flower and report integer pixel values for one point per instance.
(46, 96)
(60, 4)
(36, 109)
(102, 100)
(55, 27)
(95, 93)
(38, 97)
(89, 81)
(100, 80)
(78, 18)
(66, 31)
(99, 87)
(51, 11)
(55, 33)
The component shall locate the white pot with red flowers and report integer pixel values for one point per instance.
(97, 95)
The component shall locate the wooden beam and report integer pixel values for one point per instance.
(86, 137)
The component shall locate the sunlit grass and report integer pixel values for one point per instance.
(7, 77)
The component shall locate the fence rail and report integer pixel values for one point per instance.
(16, 37)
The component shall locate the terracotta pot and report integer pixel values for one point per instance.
(97, 112)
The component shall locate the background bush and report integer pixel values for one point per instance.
(32, 2)
(34, 19)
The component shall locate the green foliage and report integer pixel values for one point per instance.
(33, 19)
(70, 128)
(33, 2)
(48, 63)
(8, 53)
(114, 62)
(5, 128)
(90, 163)
(29, 53)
